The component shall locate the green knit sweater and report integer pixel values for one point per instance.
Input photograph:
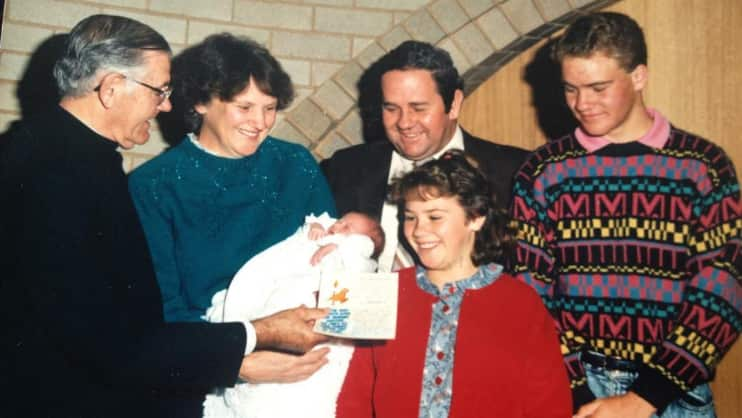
(204, 216)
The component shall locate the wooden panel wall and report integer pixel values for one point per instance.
(695, 64)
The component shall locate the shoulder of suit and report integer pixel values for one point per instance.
(374, 149)
(476, 146)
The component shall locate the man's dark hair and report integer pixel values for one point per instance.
(613, 34)
(457, 175)
(221, 66)
(416, 55)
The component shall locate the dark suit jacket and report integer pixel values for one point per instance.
(83, 331)
(358, 175)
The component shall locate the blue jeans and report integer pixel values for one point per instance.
(697, 403)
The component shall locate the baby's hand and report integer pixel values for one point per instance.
(316, 231)
(321, 253)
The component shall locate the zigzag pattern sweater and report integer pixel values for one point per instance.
(636, 253)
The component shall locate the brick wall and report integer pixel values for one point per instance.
(325, 45)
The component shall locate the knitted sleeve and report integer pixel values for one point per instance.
(710, 317)
(356, 395)
(535, 261)
(547, 383)
(152, 208)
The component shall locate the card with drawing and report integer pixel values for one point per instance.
(362, 305)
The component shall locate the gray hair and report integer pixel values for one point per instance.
(103, 42)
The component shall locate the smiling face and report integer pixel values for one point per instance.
(414, 115)
(442, 236)
(138, 105)
(605, 98)
(237, 127)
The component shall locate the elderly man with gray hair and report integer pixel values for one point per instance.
(84, 334)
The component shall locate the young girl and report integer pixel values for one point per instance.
(471, 340)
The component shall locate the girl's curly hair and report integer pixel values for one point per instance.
(456, 174)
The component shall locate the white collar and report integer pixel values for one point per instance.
(401, 165)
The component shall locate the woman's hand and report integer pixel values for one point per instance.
(275, 367)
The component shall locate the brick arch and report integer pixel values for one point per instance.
(481, 35)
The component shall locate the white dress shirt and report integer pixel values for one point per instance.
(394, 256)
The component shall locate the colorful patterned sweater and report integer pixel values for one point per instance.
(636, 253)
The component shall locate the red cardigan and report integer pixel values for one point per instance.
(507, 361)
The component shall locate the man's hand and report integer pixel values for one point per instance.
(289, 330)
(275, 367)
(629, 405)
(321, 253)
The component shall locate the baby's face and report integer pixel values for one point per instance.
(352, 223)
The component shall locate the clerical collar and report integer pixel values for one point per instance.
(656, 137)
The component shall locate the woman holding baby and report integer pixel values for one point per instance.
(228, 190)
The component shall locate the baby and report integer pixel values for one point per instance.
(284, 276)
(351, 230)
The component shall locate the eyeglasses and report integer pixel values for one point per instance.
(162, 93)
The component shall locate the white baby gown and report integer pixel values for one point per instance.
(279, 278)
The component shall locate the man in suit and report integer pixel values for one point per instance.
(421, 95)
(83, 331)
